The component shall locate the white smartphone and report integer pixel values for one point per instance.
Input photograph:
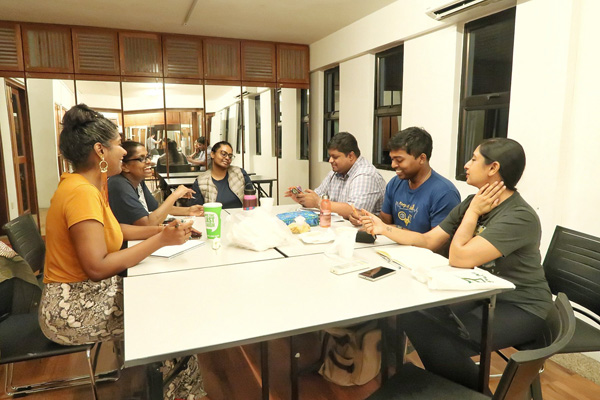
(375, 274)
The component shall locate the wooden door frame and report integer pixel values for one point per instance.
(4, 210)
(27, 143)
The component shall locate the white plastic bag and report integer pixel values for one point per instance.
(258, 230)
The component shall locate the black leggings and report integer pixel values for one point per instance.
(447, 337)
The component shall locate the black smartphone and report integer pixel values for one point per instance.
(375, 274)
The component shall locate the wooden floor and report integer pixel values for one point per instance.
(233, 374)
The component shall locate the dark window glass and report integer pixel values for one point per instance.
(239, 129)
(388, 102)
(332, 107)
(304, 123)
(279, 130)
(258, 127)
(487, 69)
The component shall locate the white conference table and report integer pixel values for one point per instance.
(263, 300)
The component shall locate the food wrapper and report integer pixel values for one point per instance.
(299, 225)
(310, 217)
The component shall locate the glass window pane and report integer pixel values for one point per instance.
(386, 127)
(390, 77)
(481, 125)
(490, 58)
(24, 187)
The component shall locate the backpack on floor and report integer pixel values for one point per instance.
(352, 354)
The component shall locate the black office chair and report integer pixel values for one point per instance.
(412, 383)
(21, 339)
(572, 266)
(26, 240)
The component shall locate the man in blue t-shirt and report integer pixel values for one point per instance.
(418, 198)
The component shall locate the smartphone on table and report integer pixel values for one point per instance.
(376, 274)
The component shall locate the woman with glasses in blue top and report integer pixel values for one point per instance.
(223, 182)
(129, 197)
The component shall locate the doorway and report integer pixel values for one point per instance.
(4, 216)
(21, 147)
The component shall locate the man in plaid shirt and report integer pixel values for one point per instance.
(353, 183)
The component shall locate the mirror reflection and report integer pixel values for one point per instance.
(185, 114)
(293, 165)
(49, 99)
(223, 117)
(143, 113)
(259, 130)
(104, 97)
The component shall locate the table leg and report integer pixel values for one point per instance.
(155, 381)
(401, 340)
(384, 349)
(294, 368)
(486, 343)
(271, 189)
(264, 369)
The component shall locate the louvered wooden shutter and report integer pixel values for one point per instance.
(222, 59)
(11, 57)
(258, 61)
(140, 54)
(182, 57)
(96, 51)
(292, 64)
(47, 48)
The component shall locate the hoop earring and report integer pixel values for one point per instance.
(103, 164)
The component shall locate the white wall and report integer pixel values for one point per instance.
(292, 170)
(264, 164)
(7, 155)
(554, 97)
(42, 94)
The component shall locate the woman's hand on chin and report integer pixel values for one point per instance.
(487, 198)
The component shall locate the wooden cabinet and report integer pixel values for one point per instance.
(140, 53)
(292, 64)
(11, 56)
(47, 48)
(222, 59)
(258, 61)
(96, 51)
(182, 57)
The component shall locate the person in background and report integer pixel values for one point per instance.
(223, 182)
(352, 182)
(496, 230)
(175, 156)
(199, 156)
(418, 198)
(151, 143)
(131, 201)
(82, 298)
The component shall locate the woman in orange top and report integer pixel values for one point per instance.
(82, 300)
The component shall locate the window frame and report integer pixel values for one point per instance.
(384, 111)
(331, 117)
(304, 124)
(480, 102)
(257, 124)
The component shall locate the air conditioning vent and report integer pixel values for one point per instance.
(451, 8)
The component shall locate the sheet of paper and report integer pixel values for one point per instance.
(172, 251)
(414, 257)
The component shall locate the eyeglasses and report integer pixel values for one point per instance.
(225, 154)
(140, 159)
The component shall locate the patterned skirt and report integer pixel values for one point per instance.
(89, 312)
